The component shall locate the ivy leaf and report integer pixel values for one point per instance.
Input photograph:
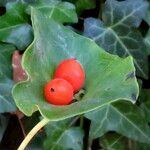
(84, 4)
(117, 33)
(146, 108)
(144, 95)
(147, 41)
(139, 146)
(52, 44)
(122, 117)
(2, 3)
(6, 51)
(60, 135)
(145, 103)
(14, 27)
(113, 141)
(63, 12)
(147, 17)
(6, 101)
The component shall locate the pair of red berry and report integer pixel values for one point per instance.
(69, 78)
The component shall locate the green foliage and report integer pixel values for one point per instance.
(145, 103)
(6, 83)
(43, 56)
(147, 16)
(63, 12)
(113, 141)
(14, 27)
(146, 108)
(121, 28)
(6, 51)
(60, 135)
(119, 117)
(116, 31)
(147, 42)
(133, 145)
(81, 5)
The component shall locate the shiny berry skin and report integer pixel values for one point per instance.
(58, 92)
(72, 71)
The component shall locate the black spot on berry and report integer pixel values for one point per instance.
(133, 97)
(130, 75)
(52, 90)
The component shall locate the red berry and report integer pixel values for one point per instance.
(58, 92)
(72, 71)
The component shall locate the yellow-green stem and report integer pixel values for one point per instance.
(81, 121)
(30, 135)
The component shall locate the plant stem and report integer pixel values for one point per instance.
(81, 121)
(22, 128)
(30, 135)
(100, 9)
(89, 144)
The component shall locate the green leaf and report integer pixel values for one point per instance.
(144, 95)
(6, 51)
(113, 141)
(138, 146)
(117, 33)
(145, 103)
(3, 125)
(2, 3)
(60, 135)
(147, 42)
(122, 117)
(14, 27)
(6, 101)
(52, 44)
(36, 143)
(84, 4)
(147, 17)
(146, 108)
(63, 12)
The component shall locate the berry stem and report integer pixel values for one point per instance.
(30, 135)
